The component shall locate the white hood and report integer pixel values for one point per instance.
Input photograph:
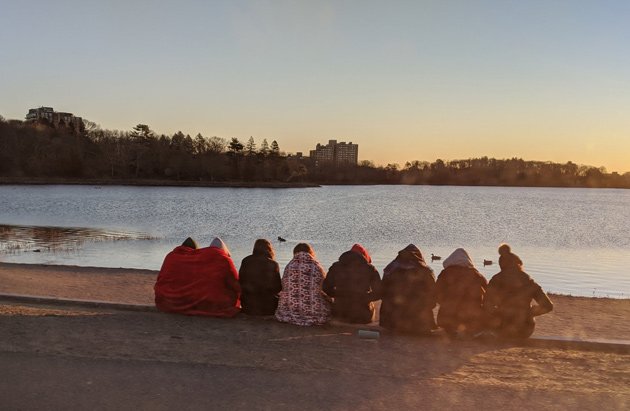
(459, 258)
(218, 243)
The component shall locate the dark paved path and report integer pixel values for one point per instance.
(34, 381)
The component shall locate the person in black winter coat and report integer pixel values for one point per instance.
(354, 284)
(508, 301)
(259, 277)
(408, 294)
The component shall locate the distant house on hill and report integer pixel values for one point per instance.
(336, 153)
(54, 118)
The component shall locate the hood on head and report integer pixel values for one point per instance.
(218, 243)
(458, 258)
(190, 243)
(412, 252)
(359, 249)
(352, 258)
(408, 258)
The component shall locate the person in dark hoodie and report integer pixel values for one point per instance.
(460, 290)
(354, 284)
(408, 294)
(259, 277)
(509, 297)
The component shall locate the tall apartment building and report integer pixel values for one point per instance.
(55, 118)
(337, 153)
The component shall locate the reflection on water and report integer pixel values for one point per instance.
(18, 238)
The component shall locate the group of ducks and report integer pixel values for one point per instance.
(437, 258)
(433, 256)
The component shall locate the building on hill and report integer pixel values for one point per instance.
(336, 153)
(54, 118)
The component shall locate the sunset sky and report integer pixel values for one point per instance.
(406, 80)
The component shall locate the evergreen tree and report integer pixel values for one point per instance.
(141, 132)
(250, 148)
(264, 147)
(275, 149)
(201, 144)
(235, 146)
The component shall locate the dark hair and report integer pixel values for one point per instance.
(303, 247)
(264, 247)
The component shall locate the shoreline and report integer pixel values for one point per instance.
(151, 183)
(575, 317)
(149, 271)
(4, 181)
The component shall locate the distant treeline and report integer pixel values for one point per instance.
(37, 150)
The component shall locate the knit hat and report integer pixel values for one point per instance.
(508, 259)
(359, 249)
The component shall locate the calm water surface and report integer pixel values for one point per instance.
(573, 241)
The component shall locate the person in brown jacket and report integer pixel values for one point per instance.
(509, 297)
(259, 277)
(408, 294)
(460, 290)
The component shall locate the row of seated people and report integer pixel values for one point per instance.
(204, 281)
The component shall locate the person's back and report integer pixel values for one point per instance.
(509, 298)
(301, 299)
(200, 281)
(259, 277)
(460, 290)
(408, 294)
(354, 284)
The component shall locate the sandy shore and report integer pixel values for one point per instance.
(58, 356)
(572, 316)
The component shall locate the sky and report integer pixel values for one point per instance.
(541, 80)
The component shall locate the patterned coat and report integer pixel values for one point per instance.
(302, 301)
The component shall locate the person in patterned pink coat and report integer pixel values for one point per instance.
(302, 301)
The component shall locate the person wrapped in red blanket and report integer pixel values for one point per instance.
(198, 281)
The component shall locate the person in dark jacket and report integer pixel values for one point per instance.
(509, 298)
(408, 294)
(259, 276)
(460, 290)
(354, 284)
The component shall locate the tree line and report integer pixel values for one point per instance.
(38, 150)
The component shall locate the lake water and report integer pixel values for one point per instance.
(572, 241)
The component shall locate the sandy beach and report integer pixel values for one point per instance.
(572, 316)
(113, 359)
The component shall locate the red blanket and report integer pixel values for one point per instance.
(198, 282)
